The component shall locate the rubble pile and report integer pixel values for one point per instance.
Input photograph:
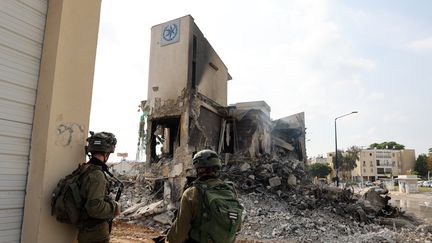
(282, 204)
(267, 172)
(267, 217)
(143, 204)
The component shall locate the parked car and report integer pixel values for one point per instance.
(420, 183)
(427, 184)
(368, 183)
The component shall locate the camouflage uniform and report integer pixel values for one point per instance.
(188, 212)
(99, 207)
(208, 164)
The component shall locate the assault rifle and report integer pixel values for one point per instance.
(117, 198)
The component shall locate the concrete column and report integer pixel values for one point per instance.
(61, 113)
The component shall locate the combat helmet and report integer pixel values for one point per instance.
(104, 142)
(206, 158)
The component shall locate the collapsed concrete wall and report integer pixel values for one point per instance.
(187, 111)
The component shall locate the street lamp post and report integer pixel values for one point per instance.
(336, 151)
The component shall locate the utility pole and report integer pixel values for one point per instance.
(336, 151)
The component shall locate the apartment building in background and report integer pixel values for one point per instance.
(374, 164)
(317, 160)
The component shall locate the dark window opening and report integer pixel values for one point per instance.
(194, 55)
(165, 138)
(228, 143)
(157, 188)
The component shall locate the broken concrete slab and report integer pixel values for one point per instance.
(164, 218)
(176, 170)
(154, 208)
(275, 181)
(374, 199)
(281, 143)
(292, 180)
(244, 167)
(134, 208)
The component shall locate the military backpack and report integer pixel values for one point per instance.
(221, 213)
(66, 201)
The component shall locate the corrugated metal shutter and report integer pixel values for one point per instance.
(22, 24)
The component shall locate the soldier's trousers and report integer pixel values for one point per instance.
(94, 234)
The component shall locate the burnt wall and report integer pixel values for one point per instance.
(205, 130)
(253, 132)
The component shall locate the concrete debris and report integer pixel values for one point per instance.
(281, 143)
(151, 209)
(268, 218)
(292, 180)
(244, 167)
(165, 218)
(304, 210)
(134, 208)
(300, 211)
(275, 181)
(374, 200)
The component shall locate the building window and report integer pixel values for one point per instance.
(364, 163)
(364, 170)
(371, 170)
(194, 62)
(164, 138)
(370, 154)
(371, 164)
(378, 162)
(380, 170)
(393, 163)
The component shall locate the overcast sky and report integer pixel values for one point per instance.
(325, 58)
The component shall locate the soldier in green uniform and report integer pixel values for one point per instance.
(99, 208)
(188, 225)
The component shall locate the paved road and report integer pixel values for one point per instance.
(420, 204)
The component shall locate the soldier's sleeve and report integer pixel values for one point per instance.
(179, 231)
(98, 205)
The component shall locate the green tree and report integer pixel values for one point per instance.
(349, 160)
(387, 145)
(374, 145)
(319, 170)
(429, 162)
(430, 151)
(421, 165)
(340, 158)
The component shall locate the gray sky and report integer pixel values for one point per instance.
(325, 58)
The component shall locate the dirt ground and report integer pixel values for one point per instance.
(127, 233)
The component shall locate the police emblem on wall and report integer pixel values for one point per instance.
(170, 33)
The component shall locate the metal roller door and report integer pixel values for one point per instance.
(22, 24)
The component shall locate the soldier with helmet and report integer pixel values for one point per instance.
(195, 221)
(99, 208)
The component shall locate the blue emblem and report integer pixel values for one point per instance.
(170, 32)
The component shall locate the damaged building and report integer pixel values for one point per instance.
(186, 110)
